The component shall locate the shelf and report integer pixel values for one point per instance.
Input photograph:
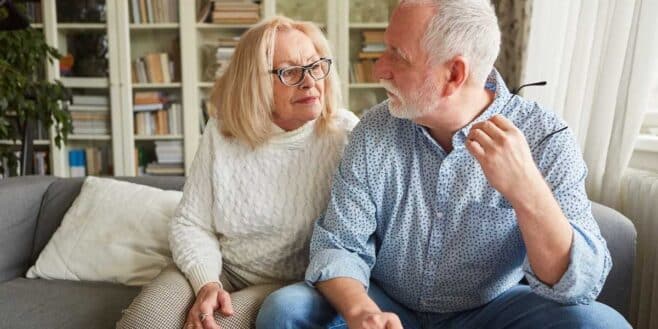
(18, 142)
(89, 137)
(647, 143)
(157, 137)
(88, 108)
(366, 85)
(74, 82)
(82, 26)
(155, 26)
(211, 26)
(368, 25)
(157, 85)
(127, 40)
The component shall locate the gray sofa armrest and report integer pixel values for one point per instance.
(20, 201)
(620, 234)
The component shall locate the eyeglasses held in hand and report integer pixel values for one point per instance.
(294, 75)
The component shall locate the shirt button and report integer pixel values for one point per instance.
(439, 215)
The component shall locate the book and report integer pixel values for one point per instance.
(134, 9)
(149, 107)
(91, 100)
(154, 68)
(149, 97)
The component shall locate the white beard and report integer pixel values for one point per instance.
(419, 103)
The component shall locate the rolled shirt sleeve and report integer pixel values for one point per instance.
(565, 171)
(343, 241)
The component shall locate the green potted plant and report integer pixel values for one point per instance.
(26, 96)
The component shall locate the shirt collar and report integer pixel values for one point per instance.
(496, 84)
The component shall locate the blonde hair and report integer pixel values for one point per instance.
(244, 95)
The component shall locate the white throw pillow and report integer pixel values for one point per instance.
(114, 232)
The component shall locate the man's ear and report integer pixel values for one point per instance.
(456, 75)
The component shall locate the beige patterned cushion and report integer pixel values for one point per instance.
(164, 303)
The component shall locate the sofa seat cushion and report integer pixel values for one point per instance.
(57, 304)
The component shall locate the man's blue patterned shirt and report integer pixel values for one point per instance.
(427, 227)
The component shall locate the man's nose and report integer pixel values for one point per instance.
(382, 70)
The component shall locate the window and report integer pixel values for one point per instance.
(646, 147)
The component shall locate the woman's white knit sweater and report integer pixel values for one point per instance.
(252, 210)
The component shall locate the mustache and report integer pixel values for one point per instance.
(389, 87)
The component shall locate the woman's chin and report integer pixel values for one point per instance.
(310, 111)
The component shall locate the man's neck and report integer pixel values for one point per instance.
(443, 124)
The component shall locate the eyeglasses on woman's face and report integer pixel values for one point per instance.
(294, 75)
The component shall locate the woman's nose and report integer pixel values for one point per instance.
(307, 80)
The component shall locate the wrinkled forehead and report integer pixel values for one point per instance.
(293, 47)
(408, 25)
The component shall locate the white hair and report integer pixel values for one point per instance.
(462, 27)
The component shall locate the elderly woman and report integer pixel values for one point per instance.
(260, 178)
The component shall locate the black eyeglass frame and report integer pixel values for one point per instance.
(305, 69)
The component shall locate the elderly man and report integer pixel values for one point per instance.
(448, 195)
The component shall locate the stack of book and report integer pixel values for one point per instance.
(235, 12)
(11, 166)
(372, 48)
(157, 114)
(90, 115)
(154, 11)
(169, 156)
(39, 162)
(225, 49)
(85, 162)
(154, 68)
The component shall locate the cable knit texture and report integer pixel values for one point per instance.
(254, 209)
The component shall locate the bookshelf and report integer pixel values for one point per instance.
(131, 35)
(92, 76)
(41, 142)
(362, 27)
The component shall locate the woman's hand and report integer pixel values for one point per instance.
(211, 297)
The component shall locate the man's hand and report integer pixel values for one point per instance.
(505, 158)
(211, 297)
(380, 320)
(504, 155)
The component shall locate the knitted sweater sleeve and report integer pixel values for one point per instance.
(192, 238)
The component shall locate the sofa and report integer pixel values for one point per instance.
(32, 207)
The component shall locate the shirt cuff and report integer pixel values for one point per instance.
(201, 275)
(583, 280)
(334, 263)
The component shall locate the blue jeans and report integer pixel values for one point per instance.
(301, 306)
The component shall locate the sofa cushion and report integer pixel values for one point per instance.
(26, 303)
(113, 232)
(61, 194)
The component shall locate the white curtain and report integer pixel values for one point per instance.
(599, 58)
